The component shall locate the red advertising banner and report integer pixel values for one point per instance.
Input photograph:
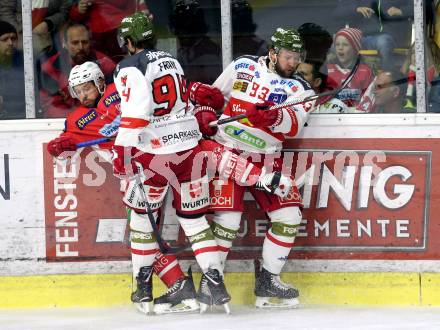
(84, 214)
(363, 199)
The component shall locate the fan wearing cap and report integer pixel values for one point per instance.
(347, 45)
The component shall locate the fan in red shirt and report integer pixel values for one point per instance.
(347, 46)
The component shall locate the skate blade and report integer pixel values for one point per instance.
(143, 307)
(204, 308)
(266, 302)
(187, 306)
(227, 308)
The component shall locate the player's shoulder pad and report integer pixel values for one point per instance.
(247, 57)
(142, 60)
(304, 83)
(246, 62)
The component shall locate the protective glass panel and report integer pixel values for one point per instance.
(335, 33)
(12, 101)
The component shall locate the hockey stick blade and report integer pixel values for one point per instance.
(297, 100)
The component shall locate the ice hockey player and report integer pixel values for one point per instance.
(99, 117)
(155, 121)
(252, 84)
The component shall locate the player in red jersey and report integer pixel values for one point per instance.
(98, 116)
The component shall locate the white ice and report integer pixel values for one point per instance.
(242, 318)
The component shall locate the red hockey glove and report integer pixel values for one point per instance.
(203, 94)
(204, 116)
(61, 144)
(260, 115)
(122, 170)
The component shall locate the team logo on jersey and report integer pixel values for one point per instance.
(86, 119)
(124, 80)
(294, 88)
(240, 86)
(245, 76)
(195, 194)
(155, 143)
(252, 67)
(307, 106)
(195, 189)
(112, 98)
(155, 193)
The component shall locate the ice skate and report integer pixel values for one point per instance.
(180, 297)
(144, 291)
(274, 183)
(271, 292)
(212, 291)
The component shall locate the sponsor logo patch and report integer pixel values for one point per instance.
(240, 86)
(245, 76)
(111, 99)
(87, 119)
(245, 137)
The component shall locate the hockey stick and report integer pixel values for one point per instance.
(298, 100)
(95, 141)
(163, 247)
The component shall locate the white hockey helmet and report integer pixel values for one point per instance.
(80, 74)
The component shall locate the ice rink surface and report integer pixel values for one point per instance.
(241, 318)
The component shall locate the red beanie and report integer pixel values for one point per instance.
(353, 35)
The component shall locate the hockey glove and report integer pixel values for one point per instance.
(122, 168)
(203, 94)
(204, 116)
(59, 145)
(260, 115)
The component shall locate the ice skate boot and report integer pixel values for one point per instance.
(212, 291)
(144, 291)
(271, 292)
(180, 297)
(274, 183)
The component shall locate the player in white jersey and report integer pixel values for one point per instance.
(158, 127)
(250, 84)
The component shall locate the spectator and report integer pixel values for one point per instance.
(198, 54)
(53, 70)
(12, 104)
(102, 17)
(385, 24)
(48, 16)
(10, 11)
(388, 95)
(347, 46)
(317, 42)
(244, 40)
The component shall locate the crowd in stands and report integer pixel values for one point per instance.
(66, 33)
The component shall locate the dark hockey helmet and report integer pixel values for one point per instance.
(187, 17)
(317, 41)
(242, 20)
(289, 39)
(137, 27)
